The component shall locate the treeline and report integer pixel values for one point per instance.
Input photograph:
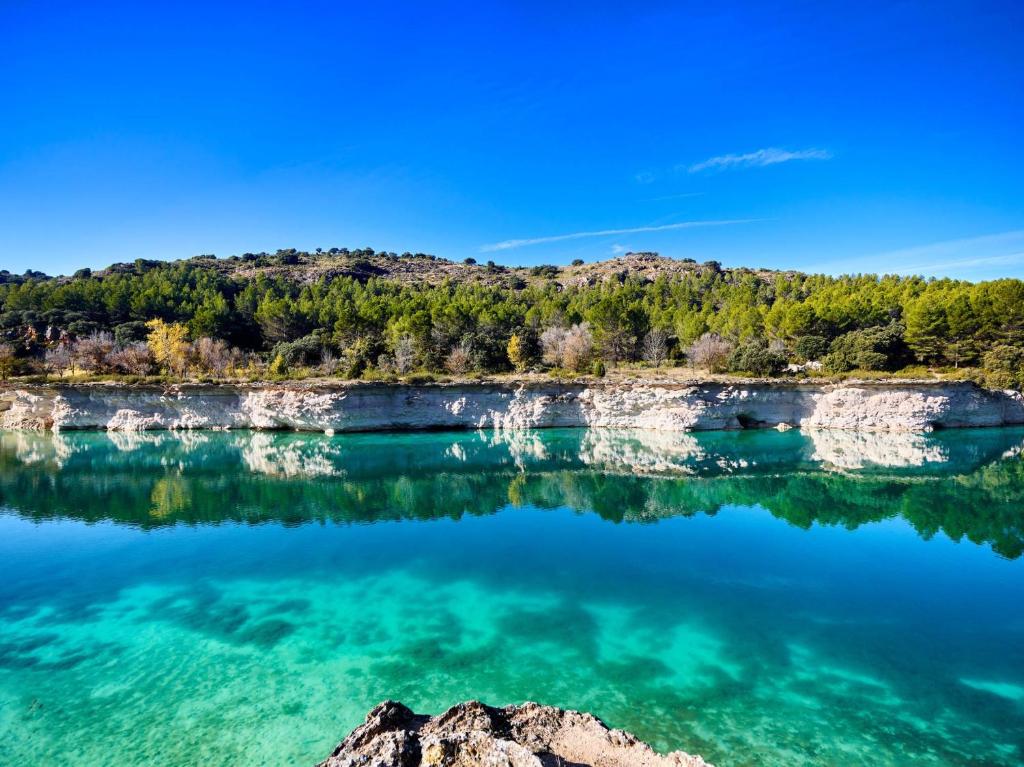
(212, 321)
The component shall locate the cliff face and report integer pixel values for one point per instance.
(472, 734)
(363, 407)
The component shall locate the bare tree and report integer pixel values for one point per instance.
(552, 344)
(616, 344)
(213, 355)
(572, 347)
(91, 351)
(459, 359)
(711, 351)
(328, 361)
(57, 359)
(405, 355)
(578, 348)
(134, 359)
(656, 347)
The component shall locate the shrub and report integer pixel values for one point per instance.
(598, 369)
(756, 358)
(1003, 366)
(302, 351)
(877, 348)
(377, 374)
(134, 359)
(356, 357)
(809, 348)
(459, 359)
(278, 367)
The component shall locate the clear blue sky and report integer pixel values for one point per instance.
(821, 136)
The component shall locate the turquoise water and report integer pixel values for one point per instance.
(756, 597)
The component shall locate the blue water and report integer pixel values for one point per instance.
(755, 597)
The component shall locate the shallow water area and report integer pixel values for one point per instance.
(760, 598)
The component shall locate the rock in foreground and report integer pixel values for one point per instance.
(471, 733)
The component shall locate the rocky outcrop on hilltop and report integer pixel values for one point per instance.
(422, 269)
(472, 734)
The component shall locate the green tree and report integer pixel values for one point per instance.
(927, 329)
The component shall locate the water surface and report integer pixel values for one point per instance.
(756, 597)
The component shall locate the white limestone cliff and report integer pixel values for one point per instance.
(908, 407)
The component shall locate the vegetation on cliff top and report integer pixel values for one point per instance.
(365, 314)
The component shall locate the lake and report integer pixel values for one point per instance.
(759, 598)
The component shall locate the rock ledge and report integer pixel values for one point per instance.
(471, 733)
(353, 407)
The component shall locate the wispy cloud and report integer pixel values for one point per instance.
(966, 263)
(1001, 248)
(954, 247)
(759, 159)
(522, 243)
(987, 249)
(671, 197)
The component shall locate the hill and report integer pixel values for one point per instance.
(413, 268)
(363, 313)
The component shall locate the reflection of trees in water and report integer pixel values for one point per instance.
(966, 487)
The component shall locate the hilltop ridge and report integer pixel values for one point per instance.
(307, 267)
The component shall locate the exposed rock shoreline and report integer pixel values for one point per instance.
(471, 733)
(857, 406)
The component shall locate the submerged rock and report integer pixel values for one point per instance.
(471, 733)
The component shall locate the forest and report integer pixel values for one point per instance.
(264, 316)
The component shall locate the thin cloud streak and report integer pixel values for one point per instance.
(672, 197)
(1009, 258)
(953, 247)
(759, 159)
(522, 243)
(936, 256)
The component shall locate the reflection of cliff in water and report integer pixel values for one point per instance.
(832, 478)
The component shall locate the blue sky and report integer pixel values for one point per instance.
(837, 137)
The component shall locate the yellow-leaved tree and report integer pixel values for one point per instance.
(169, 343)
(517, 354)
